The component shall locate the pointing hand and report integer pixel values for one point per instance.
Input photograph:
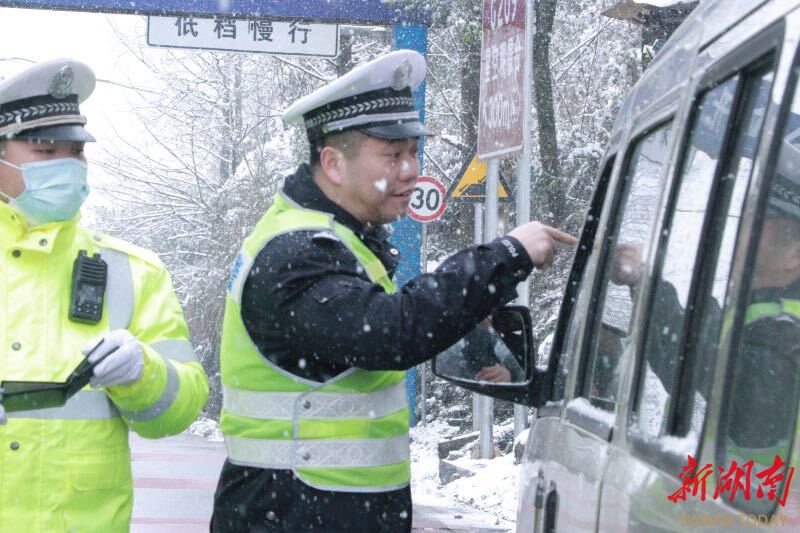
(541, 241)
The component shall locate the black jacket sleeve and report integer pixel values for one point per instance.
(308, 302)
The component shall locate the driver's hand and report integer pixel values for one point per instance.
(627, 267)
(496, 373)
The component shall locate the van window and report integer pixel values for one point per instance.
(691, 284)
(732, 191)
(760, 407)
(658, 377)
(638, 204)
(566, 344)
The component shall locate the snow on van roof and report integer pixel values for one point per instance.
(708, 21)
(674, 61)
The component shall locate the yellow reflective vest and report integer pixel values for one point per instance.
(348, 434)
(764, 457)
(68, 468)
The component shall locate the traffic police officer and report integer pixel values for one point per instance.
(316, 336)
(68, 468)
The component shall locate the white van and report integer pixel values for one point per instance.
(678, 338)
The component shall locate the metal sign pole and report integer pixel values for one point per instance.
(486, 404)
(476, 408)
(524, 184)
(423, 267)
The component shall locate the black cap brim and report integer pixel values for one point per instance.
(403, 130)
(60, 132)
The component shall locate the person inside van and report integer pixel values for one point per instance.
(766, 381)
(765, 386)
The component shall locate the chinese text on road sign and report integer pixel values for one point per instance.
(247, 35)
(503, 58)
(427, 201)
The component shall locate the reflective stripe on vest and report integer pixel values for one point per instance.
(286, 454)
(319, 405)
(162, 404)
(790, 308)
(179, 350)
(119, 290)
(323, 432)
(85, 405)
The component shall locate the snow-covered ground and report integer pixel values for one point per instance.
(493, 488)
(206, 428)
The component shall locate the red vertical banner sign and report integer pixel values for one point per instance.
(503, 58)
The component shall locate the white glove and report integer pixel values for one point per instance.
(120, 356)
(2, 411)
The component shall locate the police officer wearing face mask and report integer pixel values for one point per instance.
(68, 468)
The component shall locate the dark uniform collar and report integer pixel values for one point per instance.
(301, 188)
(773, 294)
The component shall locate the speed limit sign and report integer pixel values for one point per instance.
(427, 200)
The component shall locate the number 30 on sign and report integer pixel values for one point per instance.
(427, 201)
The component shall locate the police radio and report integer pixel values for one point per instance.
(89, 276)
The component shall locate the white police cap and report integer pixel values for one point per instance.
(374, 98)
(41, 102)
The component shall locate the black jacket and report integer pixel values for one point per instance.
(765, 384)
(311, 309)
(766, 381)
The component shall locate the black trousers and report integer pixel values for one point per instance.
(258, 500)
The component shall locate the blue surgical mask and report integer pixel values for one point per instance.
(54, 190)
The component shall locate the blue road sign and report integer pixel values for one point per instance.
(408, 232)
(344, 11)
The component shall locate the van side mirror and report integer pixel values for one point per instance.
(496, 358)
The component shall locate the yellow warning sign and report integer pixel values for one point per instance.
(470, 183)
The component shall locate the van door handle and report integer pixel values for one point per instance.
(539, 502)
(551, 509)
